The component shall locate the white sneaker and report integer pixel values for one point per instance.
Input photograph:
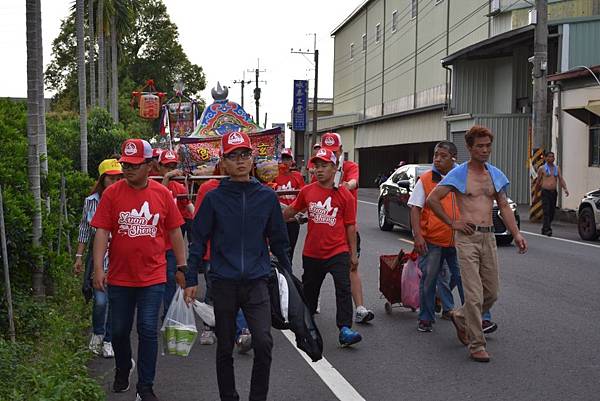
(207, 337)
(363, 315)
(96, 343)
(107, 350)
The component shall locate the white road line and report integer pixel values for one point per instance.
(330, 376)
(368, 203)
(406, 240)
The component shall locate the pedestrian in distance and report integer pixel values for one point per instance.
(549, 177)
(109, 172)
(476, 184)
(140, 216)
(350, 175)
(167, 168)
(330, 245)
(242, 218)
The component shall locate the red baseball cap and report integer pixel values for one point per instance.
(325, 155)
(234, 140)
(331, 141)
(156, 152)
(287, 152)
(317, 145)
(135, 151)
(167, 157)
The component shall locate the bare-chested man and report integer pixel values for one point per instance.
(548, 177)
(477, 184)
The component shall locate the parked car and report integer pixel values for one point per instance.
(393, 209)
(588, 216)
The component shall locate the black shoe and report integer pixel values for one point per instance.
(424, 326)
(488, 326)
(122, 376)
(145, 394)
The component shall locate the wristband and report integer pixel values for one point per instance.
(78, 255)
(182, 268)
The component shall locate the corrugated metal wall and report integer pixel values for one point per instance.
(584, 47)
(509, 152)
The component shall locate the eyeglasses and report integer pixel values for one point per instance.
(234, 156)
(129, 166)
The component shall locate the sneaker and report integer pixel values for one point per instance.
(96, 343)
(107, 350)
(488, 326)
(363, 315)
(145, 394)
(447, 315)
(122, 377)
(424, 326)
(244, 342)
(207, 337)
(349, 337)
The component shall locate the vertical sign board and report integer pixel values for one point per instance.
(300, 105)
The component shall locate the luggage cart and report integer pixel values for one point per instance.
(390, 280)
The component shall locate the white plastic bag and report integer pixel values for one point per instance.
(205, 312)
(179, 328)
(284, 295)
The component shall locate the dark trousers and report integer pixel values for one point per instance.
(293, 229)
(549, 206)
(312, 279)
(124, 302)
(253, 298)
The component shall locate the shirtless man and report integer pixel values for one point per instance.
(476, 185)
(548, 176)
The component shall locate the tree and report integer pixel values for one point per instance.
(43, 147)
(32, 11)
(101, 57)
(92, 53)
(83, 145)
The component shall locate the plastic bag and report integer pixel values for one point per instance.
(284, 296)
(411, 276)
(179, 328)
(205, 312)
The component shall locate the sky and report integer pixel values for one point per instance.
(225, 38)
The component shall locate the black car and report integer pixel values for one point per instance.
(393, 206)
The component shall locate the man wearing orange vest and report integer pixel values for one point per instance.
(434, 239)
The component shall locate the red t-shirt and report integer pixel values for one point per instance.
(202, 191)
(139, 221)
(289, 181)
(329, 212)
(179, 189)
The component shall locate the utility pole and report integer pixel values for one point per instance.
(539, 140)
(257, 90)
(313, 136)
(243, 83)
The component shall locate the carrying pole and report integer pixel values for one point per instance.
(11, 321)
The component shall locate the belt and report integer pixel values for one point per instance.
(484, 229)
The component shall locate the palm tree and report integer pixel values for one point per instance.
(83, 147)
(101, 56)
(43, 149)
(114, 87)
(32, 18)
(92, 53)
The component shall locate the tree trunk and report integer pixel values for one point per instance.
(43, 148)
(101, 57)
(33, 126)
(92, 53)
(114, 88)
(83, 147)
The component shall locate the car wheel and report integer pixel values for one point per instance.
(384, 224)
(586, 225)
(504, 240)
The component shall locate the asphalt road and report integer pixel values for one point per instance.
(546, 347)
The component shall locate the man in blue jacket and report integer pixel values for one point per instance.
(243, 219)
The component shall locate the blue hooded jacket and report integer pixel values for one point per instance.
(242, 220)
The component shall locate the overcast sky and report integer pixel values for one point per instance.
(225, 37)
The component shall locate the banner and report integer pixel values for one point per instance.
(300, 105)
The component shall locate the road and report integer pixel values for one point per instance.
(546, 347)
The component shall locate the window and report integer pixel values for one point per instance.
(377, 33)
(595, 145)
(394, 21)
(351, 51)
(413, 9)
(364, 42)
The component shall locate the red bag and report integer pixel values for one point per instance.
(390, 276)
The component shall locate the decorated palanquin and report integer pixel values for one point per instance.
(179, 114)
(200, 151)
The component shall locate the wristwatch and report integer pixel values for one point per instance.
(182, 268)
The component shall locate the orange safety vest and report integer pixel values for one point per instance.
(434, 230)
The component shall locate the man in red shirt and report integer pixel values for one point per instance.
(140, 216)
(330, 245)
(289, 180)
(167, 167)
(350, 171)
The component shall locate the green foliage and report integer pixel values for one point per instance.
(48, 360)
